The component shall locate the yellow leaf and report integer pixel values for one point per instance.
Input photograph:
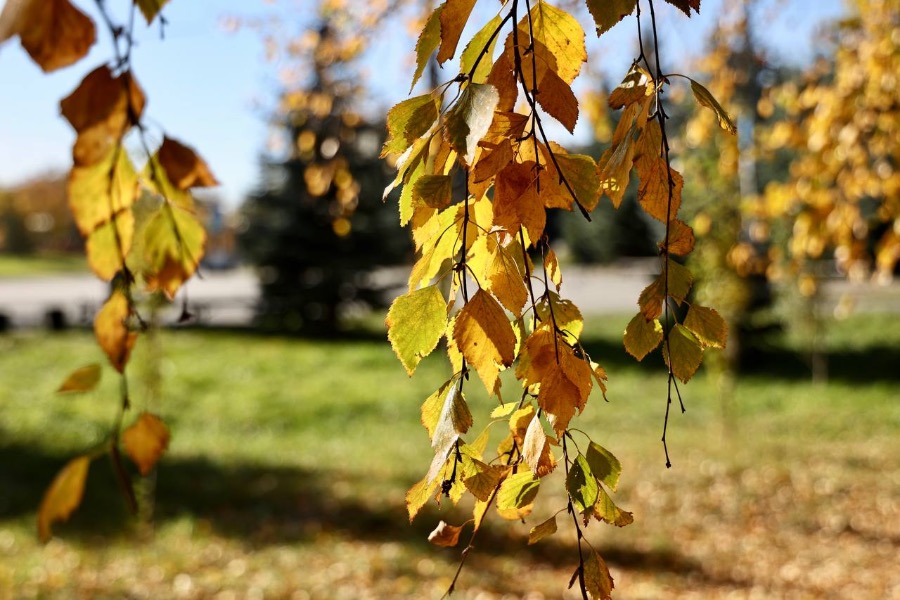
(453, 17)
(418, 495)
(53, 32)
(634, 89)
(427, 43)
(483, 40)
(83, 379)
(484, 481)
(112, 331)
(432, 407)
(100, 190)
(146, 441)
(564, 314)
(445, 535)
(184, 168)
(408, 121)
(684, 352)
(493, 159)
(101, 110)
(109, 244)
(551, 267)
(558, 100)
(642, 336)
(503, 274)
(561, 34)
(63, 496)
(516, 201)
(484, 336)
(709, 327)
(539, 532)
(536, 449)
(704, 98)
(581, 173)
(518, 491)
(174, 241)
(416, 323)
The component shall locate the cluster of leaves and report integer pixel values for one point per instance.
(478, 175)
(141, 229)
(841, 123)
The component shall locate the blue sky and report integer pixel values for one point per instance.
(211, 88)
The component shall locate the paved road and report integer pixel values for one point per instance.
(228, 298)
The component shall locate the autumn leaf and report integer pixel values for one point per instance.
(173, 244)
(150, 8)
(558, 100)
(607, 13)
(100, 190)
(493, 158)
(445, 535)
(408, 121)
(63, 496)
(606, 510)
(517, 491)
(419, 494)
(686, 6)
(453, 18)
(429, 39)
(597, 580)
(484, 336)
(470, 118)
(642, 336)
(535, 449)
(53, 32)
(681, 238)
(145, 441)
(83, 379)
(433, 191)
(604, 465)
(484, 481)
(581, 484)
(705, 98)
(709, 327)
(112, 331)
(683, 352)
(416, 323)
(504, 274)
(516, 201)
(539, 532)
(562, 36)
(580, 171)
(184, 168)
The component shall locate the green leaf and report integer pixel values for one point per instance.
(604, 465)
(470, 119)
(705, 98)
(606, 510)
(408, 121)
(642, 336)
(474, 49)
(539, 532)
(416, 322)
(518, 490)
(607, 13)
(150, 8)
(582, 485)
(684, 352)
(709, 327)
(83, 379)
(427, 43)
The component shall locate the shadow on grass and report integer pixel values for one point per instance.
(264, 505)
(863, 365)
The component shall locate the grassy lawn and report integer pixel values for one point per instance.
(40, 266)
(290, 459)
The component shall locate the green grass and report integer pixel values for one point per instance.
(41, 266)
(290, 460)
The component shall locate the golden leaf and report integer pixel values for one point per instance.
(642, 336)
(53, 32)
(504, 274)
(428, 42)
(705, 98)
(183, 167)
(681, 238)
(539, 532)
(112, 331)
(561, 34)
(174, 241)
(83, 379)
(607, 13)
(100, 190)
(597, 579)
(433, 191)
(493, 159)
(485, 337)
(709, 327)
(146, 441)
(683, 352)
(419, 494)
(453, 18)
(63, 496)
(516, 201)
(558, 99)
(416, 323)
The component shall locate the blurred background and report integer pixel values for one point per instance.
(295, 430)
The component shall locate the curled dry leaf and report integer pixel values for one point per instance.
(445, 535)
(146, 441)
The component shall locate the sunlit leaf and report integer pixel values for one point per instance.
(83, 379)
(53, 32)
(453, 18)
(184, 168)
(470, 118)
(445, 535)
(606, 510)
(415, 323)
(484, 481)
(432, 408)
(562, 36)
(419, 494)
(581, 484)
(429, 39)
(597, 580)
(539, 532)
(563, 314)
(145, 441)
(99, 190)
(551, 267)
(482, 44)
(684, 352)
(709, 327)
(558, 100)
(604, 465)
(492, 160)
(705, 98)
(408, 121)
(518, 491)
(681, 238)
(607, 13)
(516, 201)
(642, 336)
(485, 337)
(108, 245)
(63, 496)
(112, 331)
(434, 191)
(535, 449)
(174, 241)
(581, 172)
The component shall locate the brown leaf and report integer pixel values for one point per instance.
(493, 158)
(53, 32)
(83, 379)
(709, 327)
(184, 168)
(112, 332)
(681, 238)
(453, 17)
(445, 535)
(146, 441)
(558, 99)
(516, 201)
(685, 6)
(63, 496)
